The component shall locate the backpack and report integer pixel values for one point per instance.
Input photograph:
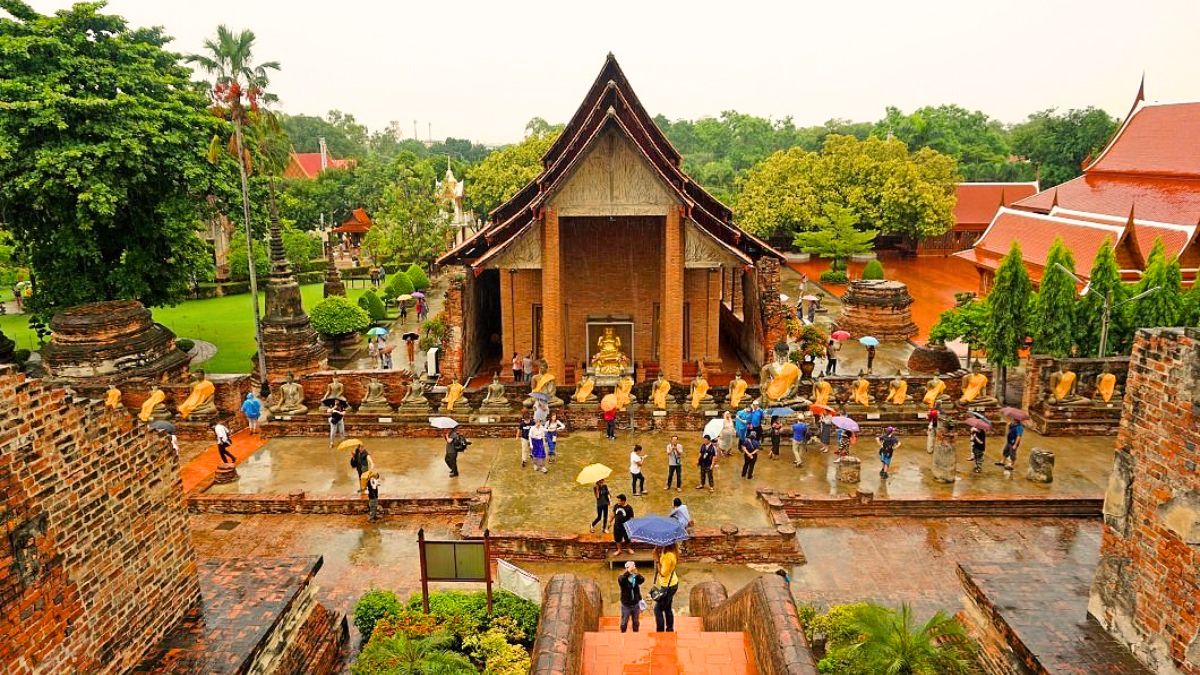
(460, 444)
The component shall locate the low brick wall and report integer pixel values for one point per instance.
(570, 607)
(765, 610)
(452, 504)
(369, 426)
(864, 504)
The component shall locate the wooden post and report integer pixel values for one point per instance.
(487, 567)
(424, 571)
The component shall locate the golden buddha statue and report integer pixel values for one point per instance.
(779, 380)
(609, 360)
(1106, 385)
(934, 389)
(699, 393)
(974, 386)
(291, 398)
(660, 391)
(860, 391)
(623, 392)
(583, 390)
(737, 390)
(821, 392)
(199, 403)
(1060, 389)
(897, 390)
(112, 398)
(453, 393)
(153, 407)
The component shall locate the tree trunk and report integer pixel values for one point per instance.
(258, 332)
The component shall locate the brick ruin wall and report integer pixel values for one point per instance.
(97, 563)
(1147, 586)
(765, 610)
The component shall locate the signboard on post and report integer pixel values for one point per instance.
(454, 560)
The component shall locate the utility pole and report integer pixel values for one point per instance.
(1106, 312)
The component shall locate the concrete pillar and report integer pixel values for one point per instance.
(944, 463)
(671, 347)
(552, 307)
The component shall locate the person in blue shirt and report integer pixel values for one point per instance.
(750, 448)
(799, 441)
(741, 422)
(756, 419)
(252, 409)
(1013, 441)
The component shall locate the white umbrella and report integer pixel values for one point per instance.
(442, 423)
(783, 297)
(714, 427)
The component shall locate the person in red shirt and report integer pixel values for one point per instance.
(610, 424)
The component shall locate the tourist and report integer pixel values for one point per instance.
(776, 434)
(537, 445)
(223, 442)
(637, 478)
(756, 419)
(631, 595)
(706, 460)
(372, 497)
(622, 513)
(803, 286)
(741, 423)
(831, 356)
(516, 368)
(666, 562)
(825, 430)
(1013, 441)
(527, 367)
(888, 443)
(978, 446)
(799, 440)
(362, 463)
(455, 443)
(373, 352)
(610, 424)
(252, 409)
(675, 463)
(174, 440)
(870, 357)
(728, 433)
(410, 347)
(845, 440)
(403, 311)
(812, 311)
(337, 420)
(931, 429)
(600, 492)
(541, 411)
(681, 513)
(385, 354)
(523, 435)
(750, 448)
(552, 428)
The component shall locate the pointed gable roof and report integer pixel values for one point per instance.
(610, 104)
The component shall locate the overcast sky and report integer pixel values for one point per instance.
(480, 70)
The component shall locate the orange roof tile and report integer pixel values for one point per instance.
(310, 163)
(1175, 237)
(1156, 140)
(1164, 200)
(977, 203)
(1036, 233)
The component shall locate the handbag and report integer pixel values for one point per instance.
(655, 591)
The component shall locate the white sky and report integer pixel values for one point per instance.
(480, 70)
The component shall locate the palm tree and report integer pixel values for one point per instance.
(890, 642)
(403, 655)
(239, 87)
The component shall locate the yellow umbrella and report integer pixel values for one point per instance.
(349, 443)
(609, 402)
(404, 298)
(592, 473)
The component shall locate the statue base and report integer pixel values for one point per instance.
(1067, 420)
(373, 409)
(409, 412)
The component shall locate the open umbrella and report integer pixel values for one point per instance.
(976, 423)
(780, 412)
(442, 423)
(1015, 414)
(845, 423)
(840, 335)
(388, 348)
(810, 298)
(162, 425)
(404, 298)
(783, 297)
(539, 396)
(714, 427)
(410, 337)
(592, 473)
(818, 409)
(869, 340)
(979, 415)
(609, 402)
(418, 294)
(656, 530)
(349, 444)
(377, 331)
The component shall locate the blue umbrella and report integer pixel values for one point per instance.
(377, 331)
(869, 341)
(781, 412)
(539, 396)
(656, 530)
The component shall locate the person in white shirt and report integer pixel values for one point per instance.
(681, 513)
(635, 471)
(223, 442)
(537, 446)
(675, 463)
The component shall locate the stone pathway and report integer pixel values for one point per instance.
(690, 649)
(436, 297)
(202, 467)
(201, 351)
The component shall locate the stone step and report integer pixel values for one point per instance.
(683, 624)
(643, 558)
(650, 653)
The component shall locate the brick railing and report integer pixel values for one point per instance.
(764, 610)
(454, 504)
(863, 504)
(570, 607)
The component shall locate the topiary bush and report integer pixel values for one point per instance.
(374, 605)
(873, 270)
(834, 277)
(417, 276)
(399, 284)
(372, 305)
(336, 315)
(184, 345)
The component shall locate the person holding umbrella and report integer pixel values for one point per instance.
(666, 577)
(455, 443)
(1016, 430)
(410, 346)
(600, 492)
(870, 357)
(726, 435)
(888, 443)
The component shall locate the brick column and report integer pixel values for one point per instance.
(552, 309)
(508, 336)
(671, 349)
(712, 347)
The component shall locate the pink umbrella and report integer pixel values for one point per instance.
(1015, 414)
(845, 424)
(418, 294)
(840, 335)
(976, 423)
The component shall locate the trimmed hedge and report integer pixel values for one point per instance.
(336, 315)
(373, 306)
(417, 276)
(873, 270)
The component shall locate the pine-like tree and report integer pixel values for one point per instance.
(1164, 306)
(1053, 323)
(1009, 304)
(1103, 281)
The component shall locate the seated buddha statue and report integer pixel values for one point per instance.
(699, 395)
(860, 391)
(453, 394)
(414, 396)
(974, 388)
(737, 391)
(336, 391)
(934, 392)
(496, 398)
(609, 360)
(199, 402)
(543, 383)
(112, 397)
(1106, 386)
(153, 407)
(1060, 389)
(375, 401)
(821, 391)
(290, 399)
(584, 390)
(624, 392)
(659, 393)
(898, 390)
(779, 380)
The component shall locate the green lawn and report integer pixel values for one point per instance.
(226, 322)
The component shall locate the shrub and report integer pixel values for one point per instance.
(435, 327)
(465, 613)
(873, 270)
(834, 277)
(399, 284)
(372, 305)
(21, 356)
(399, 654)
(184, 344)
(417, 276)
(336, 315)
(374, 605)
(409, 622)
(497, 653)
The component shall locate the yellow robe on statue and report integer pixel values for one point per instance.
(157, 396)
(899, 394)
(862, 392)
(782, 383)
(1106, 384)
(113, 398)
(974, 386)
(737, 391)
(622, 391)
(933, 393)
(661, 389)
(699, 392)
(585, 390)
(821, 392)
(540, 381)
(202, 393)
(1065, 383)
(453, 393)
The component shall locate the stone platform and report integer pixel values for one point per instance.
(1091, 419)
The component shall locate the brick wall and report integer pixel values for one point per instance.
(98, 563)
(1147, 586)
(452, 357)
(519, 292)
(865, 505)
(765, 610)
(571, 606)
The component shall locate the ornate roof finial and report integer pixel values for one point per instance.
(1054, 201)
(1003, 201)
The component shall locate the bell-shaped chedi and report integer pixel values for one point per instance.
(289, 341)
(109, 343)
(879, 308)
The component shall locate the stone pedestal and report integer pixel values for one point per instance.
(933, 359)
(1041, 466)
(879, 308)
(849, 470)
(944, 463)
(226, 473)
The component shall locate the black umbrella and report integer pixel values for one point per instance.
(162, 425)
(411, 336)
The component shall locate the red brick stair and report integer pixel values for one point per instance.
(689, 650)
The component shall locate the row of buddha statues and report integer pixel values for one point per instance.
(1062, 388)
(200, 403)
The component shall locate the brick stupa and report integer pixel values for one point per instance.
(290, 343)
(879, 308)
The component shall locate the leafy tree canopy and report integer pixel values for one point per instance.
(343, 135)
(409, 223)
(836, 236)
(1104, 280)
(977, 142)
(1053, 323)
(336, 315)
(1058, 144)
(498, 177)
(1163, 307)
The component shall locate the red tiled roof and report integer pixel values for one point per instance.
(358, 222)
(1175, 237)
(1156, 140)
(1036, 233)
(1165, 200)
(976, 203)
(309, 163)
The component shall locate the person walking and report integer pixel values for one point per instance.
(831, 356)
(523, 434)
(844, 440)
(455, 443)
(776, 435)
(1012, 442)
(600, 492)
(224, 440)
(825, 428)
(518, 373)
(799, 440)
(888, 443)
(610, 424)
(706, 460)
(403, 311)
(870, 357)
(666, 563)
(373, 497)
(681, 513)
(361, 460)
(552, 428)
(978, 446)
(725, 440)
(756, 419)
(750, 448)
(622, 513)
(527, 367)
(637, 478)
(537, 446)
(373, 352)
(812, 311)
(630, 583)
(931, 429)
(675, 463)
(337, 421)
(252, 409)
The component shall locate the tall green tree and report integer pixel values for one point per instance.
(1104, 282)
(1008, 304)
(967, 321)
(1053, 320)
(836, 237)
(1058, 144)
(978, 143)
(1163, 307)
(410, 225)
(102, 171)
(498, 177)
(1191, 306)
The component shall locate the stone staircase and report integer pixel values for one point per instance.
(690, 649)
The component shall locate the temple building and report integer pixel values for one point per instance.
(613, 244)
(353, 229)
(1145, 185)
(309, 165)
(974, 207)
